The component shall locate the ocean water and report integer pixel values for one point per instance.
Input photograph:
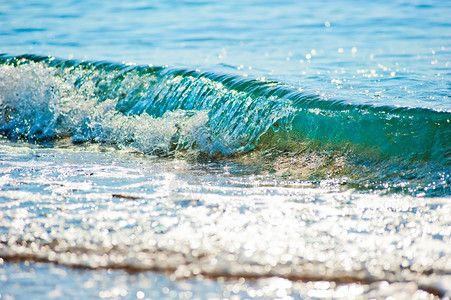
(225, 149)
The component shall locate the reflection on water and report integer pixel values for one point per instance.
(95, 210)
(88, 221)
(44, 281)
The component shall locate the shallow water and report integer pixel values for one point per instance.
(207, 149)
(43, 281)
(106, 209)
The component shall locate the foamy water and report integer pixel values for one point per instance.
(213, 219)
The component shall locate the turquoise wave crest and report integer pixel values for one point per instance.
(161, 110)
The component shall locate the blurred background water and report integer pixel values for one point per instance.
(390, 52)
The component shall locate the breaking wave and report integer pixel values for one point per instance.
(162, 111)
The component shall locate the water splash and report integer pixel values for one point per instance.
(154, 109)
(163, 111)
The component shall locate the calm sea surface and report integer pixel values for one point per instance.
(225, 149)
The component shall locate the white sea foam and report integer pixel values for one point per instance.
(37, 102)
